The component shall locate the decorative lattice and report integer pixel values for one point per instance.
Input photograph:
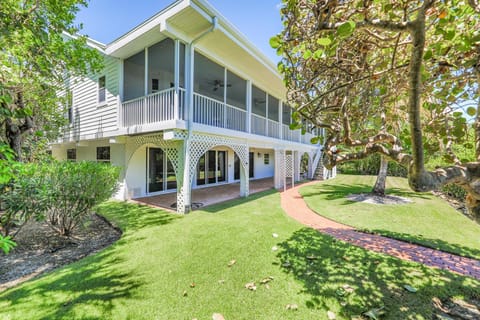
(279, 168)
(289, 163)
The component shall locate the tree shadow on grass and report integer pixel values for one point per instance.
(214, 208)
(132, 217)
(340, 191)
(352, 280)
(78, 291)
(430, 243)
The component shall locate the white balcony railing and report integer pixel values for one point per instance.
(273, 129)
(170, 105)
(258, 125)
(217, 114)
(156, 107)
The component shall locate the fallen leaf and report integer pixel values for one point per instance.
(251, 286)
(185, 293)
(192, 285)
(291, 307)
(232, 262)
(309, 273)
(217, 316)
(331, 315)
(374, 313)
(347, 288)
(221, 281)
(410, 288)
(311, 257)
(274, 248)
(274, 235)
(267, 286)
(286, 264)
(266, 280)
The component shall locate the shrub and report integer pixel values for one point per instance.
(74, 189)
(371, 165)
(23, 198)
(454, 191)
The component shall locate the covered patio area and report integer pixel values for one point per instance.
(202, 197)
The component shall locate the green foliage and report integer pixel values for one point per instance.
(7, 164)
(454, 191)
(25, 197)
(370, 166)
(74, 189)
(37, 60)
(62, 192)
(6, 244)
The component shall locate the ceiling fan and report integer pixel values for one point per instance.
(219, 84)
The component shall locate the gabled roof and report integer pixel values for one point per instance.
(186, 20)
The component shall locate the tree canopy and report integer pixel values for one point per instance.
(398, 78)
(40, 52)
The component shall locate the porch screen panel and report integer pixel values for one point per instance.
(134, 76)
(286, 114)
(182, 65)
(259, 102)
(236, 91)
(208, 78)
(272, 108)
(155, 169)
(161, 66)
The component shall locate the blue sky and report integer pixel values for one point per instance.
(106, 20)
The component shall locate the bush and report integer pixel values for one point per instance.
(454, 191)
(74, 189)
(370, 166)
(23, 198)
(62, 192)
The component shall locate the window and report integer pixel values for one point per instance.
(101, 89)
(266, 158)
(272, 108)
(71, 154)
(103, 154)
(154, 85)
(259, 102)
(69, 105)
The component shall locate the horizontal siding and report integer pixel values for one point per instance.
(89, 117)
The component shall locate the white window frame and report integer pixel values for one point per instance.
(99, 89)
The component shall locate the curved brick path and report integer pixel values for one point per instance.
(294, 206)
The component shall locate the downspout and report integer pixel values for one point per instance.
(189, 104)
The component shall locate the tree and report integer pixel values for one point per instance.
(40, 51)
(421, 57)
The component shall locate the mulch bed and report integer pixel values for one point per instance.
(40, 249)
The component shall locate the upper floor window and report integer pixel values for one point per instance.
(209, 78)
(69, 105)
(259, 102)
(236, 91)
(102, 91)
(286, 114)
(103, 154)
(71, 154)
(272, 108)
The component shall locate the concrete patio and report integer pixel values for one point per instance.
(206, 196)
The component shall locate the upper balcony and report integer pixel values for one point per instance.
(154, 82)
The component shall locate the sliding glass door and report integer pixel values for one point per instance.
(160, 172)
(212, 167)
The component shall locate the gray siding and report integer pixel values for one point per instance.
(91, 119)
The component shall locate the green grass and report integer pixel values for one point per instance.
(428, 220)
(145, 274)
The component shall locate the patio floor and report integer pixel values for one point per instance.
(206, 196)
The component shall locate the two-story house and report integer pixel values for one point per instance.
(185, 101)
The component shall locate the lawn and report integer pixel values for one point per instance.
(428, 220)
(171, 267)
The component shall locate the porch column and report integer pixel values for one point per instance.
(297, 157)
(279, 170)
(249, 107)
(244, 175)
(184, 190)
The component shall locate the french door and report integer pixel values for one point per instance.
(212, 167)
(160, 172)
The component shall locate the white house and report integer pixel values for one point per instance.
(185, 101)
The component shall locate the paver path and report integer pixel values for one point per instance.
(295, 206)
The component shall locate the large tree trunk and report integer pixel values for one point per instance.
(14, 138)
(379, 187)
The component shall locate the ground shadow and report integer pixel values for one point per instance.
(356, 280)
(98, 282)
(217, 207)
(340, 191)
(131, 216)
(437, 244)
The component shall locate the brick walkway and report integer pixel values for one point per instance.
(294, 206)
